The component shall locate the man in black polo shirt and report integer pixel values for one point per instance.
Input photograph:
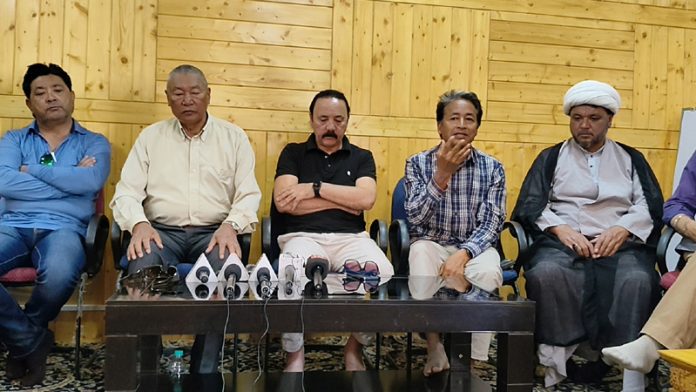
(322, 187)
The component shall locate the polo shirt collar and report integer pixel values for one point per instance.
(312, 144)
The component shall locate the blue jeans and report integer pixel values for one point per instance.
(58, 256)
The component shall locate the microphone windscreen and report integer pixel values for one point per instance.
(263, 274)
(314, 264)
(233, 269)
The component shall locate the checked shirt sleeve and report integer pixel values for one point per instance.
(490, 216)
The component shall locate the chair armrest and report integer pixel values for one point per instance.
(399, 243)
(661, 250)
(518, 232)
(119, 243)
(266, 235)
(244, 243)
(378, 232)
(95, 243)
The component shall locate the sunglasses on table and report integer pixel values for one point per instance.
(352, 283)
(48, 159)
(367, 269)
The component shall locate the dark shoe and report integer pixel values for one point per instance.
(36, 361)
(14, 368)
(589, 373)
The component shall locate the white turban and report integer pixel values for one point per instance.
(592, 92)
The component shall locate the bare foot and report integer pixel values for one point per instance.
(437, 358)
(295, 361)
(353, 355)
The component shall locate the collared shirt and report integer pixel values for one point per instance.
(590, 206)
(61, 196)
(468, 214)
(174, 180)
(309, 164)
(683, 201)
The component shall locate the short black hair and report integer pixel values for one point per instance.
(453, 95)
(40, 69)
(328, 94)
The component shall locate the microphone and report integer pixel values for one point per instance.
(263, 278)
(203, 274)
(289, 278)
(316, 269)
(232, 274)
(202, 291)
(263, 275)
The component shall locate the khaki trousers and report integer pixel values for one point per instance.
(425, 259)
(673, 322)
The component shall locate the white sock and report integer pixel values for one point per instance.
(633, 381)
(639, 355)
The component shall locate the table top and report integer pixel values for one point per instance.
(395, 304)
(685, 359)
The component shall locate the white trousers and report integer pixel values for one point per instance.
(336, 248)
(425, 259)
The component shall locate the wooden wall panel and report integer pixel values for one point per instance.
(266, 59)
(305, 13)
(75, 43)
(98, 49)
(51, 30)
(7, 45)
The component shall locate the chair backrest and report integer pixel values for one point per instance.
(398, 207)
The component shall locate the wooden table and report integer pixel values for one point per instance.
(133, 325)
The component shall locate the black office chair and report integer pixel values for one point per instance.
(95, 243)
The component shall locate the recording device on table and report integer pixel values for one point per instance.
(263, 279)
(232, 273)
(290, 276)
(316, 269)
(201, 281)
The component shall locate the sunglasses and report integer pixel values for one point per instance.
(352, 283)
(368, 269)
(48, 159)
(153, 279)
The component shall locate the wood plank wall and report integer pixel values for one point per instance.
(266, 59)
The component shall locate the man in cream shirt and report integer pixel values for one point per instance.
(188, 187)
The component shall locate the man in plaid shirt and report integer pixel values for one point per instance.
(455, 202)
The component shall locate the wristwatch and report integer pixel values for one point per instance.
(317, 187)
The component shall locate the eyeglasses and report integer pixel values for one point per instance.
(48, 159)
(367, 270)
(352, 283)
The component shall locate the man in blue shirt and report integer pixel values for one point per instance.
(50, 175)
(455, 203)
